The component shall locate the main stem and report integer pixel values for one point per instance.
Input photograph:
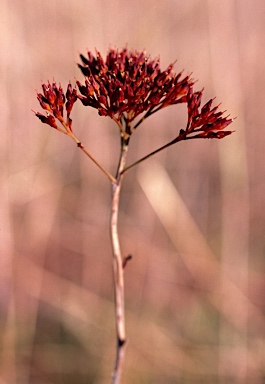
(118, 270)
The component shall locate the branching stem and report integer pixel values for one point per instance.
(179, 138)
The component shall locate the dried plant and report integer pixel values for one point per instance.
(128, 87)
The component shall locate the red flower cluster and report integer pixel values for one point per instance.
(128, 84)
(53, 101)
(204, 122)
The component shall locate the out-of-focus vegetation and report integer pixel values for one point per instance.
(193, 217)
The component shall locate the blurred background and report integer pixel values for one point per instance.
(193, 216)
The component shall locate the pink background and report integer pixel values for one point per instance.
(193, 216)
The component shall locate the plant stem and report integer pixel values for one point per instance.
(180, 137)
(109, 176)
(82, 147)
(118, 270)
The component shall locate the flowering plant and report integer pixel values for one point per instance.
(128, 87)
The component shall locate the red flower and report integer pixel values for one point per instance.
(128, 84)
(205, 122)
(48, 119)
(53, 101)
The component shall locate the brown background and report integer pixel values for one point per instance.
(193, 216)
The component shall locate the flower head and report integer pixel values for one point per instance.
(128, 84)
(53, 101)
(205, 122)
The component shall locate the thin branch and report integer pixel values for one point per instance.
(179, 138)
(83, 148)
(110, 177)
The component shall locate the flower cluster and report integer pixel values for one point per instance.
(204, 122)
(53, 101)
(128, 84)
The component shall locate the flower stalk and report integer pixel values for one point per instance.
(128, 87)
(118, 267)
